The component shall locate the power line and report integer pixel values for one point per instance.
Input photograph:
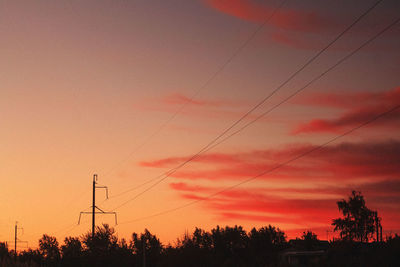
(202, 87)
(301, 155)
(221, 68)
(308, 84)
(213, 76)
(215, 140)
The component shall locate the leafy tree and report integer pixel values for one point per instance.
(310, 240)
(229, 245)
(48, 248)
(71, 251)
(265, 243)
(201, 239)
(31, 258)
(147, 248)
(358, 221)
(193, 250)
(100, 249)
(4, 253)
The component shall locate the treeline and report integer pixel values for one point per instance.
(229, 246)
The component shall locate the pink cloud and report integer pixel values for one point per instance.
(234, 216)
(371, 167)
(348, 100)
(285, 18)
(284, 22)
(384, 191)
(195, 108)
(294, 27)
(342, 161)
(206, 158)
(189, 188)
(179, 99)
(259, 205)
(360, 108)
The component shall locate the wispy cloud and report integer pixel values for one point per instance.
(303, 194)
(298, 28)
(342, 161)
(282, 205)
(359, 108)
(285, 21)
(180, 99)
(285, 18)
(216, 108)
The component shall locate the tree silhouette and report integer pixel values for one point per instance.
(229, 245)
(4, 254)
(147, 248)
(358, 221)
(71, 251)
(219, 247)
(310, 240)
(265, 244)
(194, 250)
(101, 248)
(48, 248)
(31, 258)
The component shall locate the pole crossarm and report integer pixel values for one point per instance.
(95, 209)
(19, 241)
(104, 187)
(98, 212)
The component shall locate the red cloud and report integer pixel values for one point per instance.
(349, 100)
(189, 188)
(207, 158)
(384, 191)
(373, 105)
(294, 27)
(255, 204)
(234, 216)
(303, 194)
(288, 19)
(342, 161)
(204, 108)
(179, 99)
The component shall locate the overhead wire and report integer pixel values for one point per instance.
(202, 87)
(280, 165)
(165, 175)
(308, 84)
(213, 76)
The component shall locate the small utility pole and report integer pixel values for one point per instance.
(378, 227)
(15, 241)
(144, 252)
(94, 207)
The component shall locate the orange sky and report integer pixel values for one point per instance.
(86, 84)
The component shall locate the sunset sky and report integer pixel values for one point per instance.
(131, 89)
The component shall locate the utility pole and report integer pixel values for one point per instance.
(144, 252)
(94, 207)
(378, 227)
(327, 234)
(16, 240)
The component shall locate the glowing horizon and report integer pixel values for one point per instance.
(130, 90)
